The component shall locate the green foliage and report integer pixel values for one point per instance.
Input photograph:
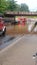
(11, 5)
(24, 7)
(3, 5)
(18, 8)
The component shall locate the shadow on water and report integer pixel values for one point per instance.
(9, 39)
(4, 41)
(1, 41)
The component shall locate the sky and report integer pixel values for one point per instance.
(32, 4)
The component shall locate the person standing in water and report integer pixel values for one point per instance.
(34, 26)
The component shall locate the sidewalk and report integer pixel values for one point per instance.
(21, 53)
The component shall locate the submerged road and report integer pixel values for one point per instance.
(21, 53)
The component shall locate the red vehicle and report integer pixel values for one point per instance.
(2, 27)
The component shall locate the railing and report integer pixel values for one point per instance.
(21, 13)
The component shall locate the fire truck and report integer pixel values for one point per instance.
(2, 27)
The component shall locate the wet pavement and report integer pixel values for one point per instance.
(4, 41)
(21, 53)
(7, 40)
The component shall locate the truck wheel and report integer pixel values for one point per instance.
(4, 33)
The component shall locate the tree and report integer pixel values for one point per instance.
(24, 7)
(3, 5)
(18, 7)
(12, 5)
